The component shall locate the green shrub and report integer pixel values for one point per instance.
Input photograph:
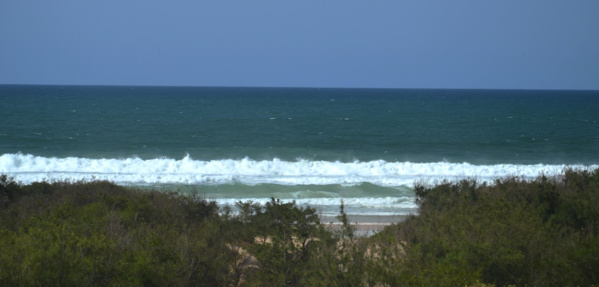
(513, 232)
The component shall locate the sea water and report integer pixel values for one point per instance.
(367, 147)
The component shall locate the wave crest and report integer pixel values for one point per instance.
(28, 168)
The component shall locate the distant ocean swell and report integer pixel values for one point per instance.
(28, 168)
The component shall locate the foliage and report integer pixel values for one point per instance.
(513, 232)
(86, 234)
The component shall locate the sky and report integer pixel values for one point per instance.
(528, 44)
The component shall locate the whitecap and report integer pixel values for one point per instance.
(28, 168)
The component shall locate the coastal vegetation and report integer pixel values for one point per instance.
(543, 232)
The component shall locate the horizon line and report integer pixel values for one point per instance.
(294, 87)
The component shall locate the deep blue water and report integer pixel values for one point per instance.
(475, 126)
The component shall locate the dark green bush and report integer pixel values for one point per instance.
(528, 233)
(512, 232)
(98, 234)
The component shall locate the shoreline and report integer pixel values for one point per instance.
(365, 225)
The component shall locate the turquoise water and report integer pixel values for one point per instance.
(367, 146)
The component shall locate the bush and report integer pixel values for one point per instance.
(97, 233)
(514, 232)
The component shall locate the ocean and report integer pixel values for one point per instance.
(367, 147)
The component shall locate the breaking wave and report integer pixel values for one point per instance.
(28, 168)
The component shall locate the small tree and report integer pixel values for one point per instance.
(347, 230)
(287, 248)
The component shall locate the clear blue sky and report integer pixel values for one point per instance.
(382, 44)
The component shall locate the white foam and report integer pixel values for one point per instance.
(28, 168)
